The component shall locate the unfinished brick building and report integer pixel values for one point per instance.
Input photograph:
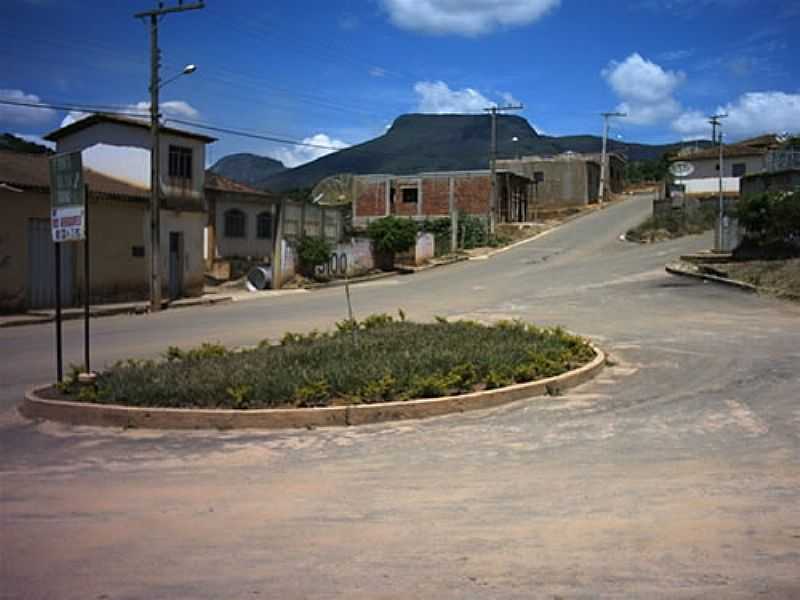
(434, 195)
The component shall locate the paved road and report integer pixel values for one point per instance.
(676, 473)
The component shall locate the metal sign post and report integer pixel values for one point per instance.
(86, 280)
(68, 224)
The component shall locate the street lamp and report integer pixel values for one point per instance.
(515, 139)
(155, 176)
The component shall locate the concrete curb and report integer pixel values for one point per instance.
(677, 269)
(99, 415)
(36, 317)
(353, 281)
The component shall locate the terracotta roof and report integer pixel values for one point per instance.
(225, 184)
(96, 118)
(32, 171)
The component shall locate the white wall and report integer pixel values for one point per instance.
(709, 185)
(250, 245)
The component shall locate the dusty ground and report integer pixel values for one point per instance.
(674, 474)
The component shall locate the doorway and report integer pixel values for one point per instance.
(175, 264)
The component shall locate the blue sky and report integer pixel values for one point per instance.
(338, 72)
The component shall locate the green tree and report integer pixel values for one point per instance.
(391, 235)
(312, 252)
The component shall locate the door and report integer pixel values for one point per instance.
(175, 264)
(41, 267)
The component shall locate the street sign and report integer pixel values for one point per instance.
(681, 168)
(67, 198)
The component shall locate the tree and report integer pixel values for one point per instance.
(312, 252)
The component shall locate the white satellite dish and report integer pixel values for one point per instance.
(681, 168)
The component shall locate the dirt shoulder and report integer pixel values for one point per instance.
(780, 277)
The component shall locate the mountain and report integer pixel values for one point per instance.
(420, 142)
(249, 169)
(17, 144)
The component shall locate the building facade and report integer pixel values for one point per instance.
(436, 195)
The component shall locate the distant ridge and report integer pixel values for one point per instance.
(249, 169)
(422, 142)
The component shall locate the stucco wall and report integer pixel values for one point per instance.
(16, 209)
(566, 182)
(250, 245)
(97, 145)
(191, 224)
(707, 167)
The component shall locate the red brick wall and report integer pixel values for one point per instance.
(436, 196)
(472, 194)
(371, 200)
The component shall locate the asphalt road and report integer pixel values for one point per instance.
(674, 474)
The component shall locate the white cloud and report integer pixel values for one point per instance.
(436, 97)
(36, 139)
(171, 108)
(377, 72)
(645, 89)
(751, 114)
(465, 17)
(322, 145)
(23, 115)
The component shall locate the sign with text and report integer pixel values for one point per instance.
(67, 197)
(68, 223)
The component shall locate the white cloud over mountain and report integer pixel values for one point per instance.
(465, 17)
(646, 90)
(436, 97)
(321, 145)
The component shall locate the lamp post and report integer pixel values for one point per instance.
(155, 174)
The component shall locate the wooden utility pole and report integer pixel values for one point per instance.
(716, 122)
(493, 110)
(155, 153)
(604, 155)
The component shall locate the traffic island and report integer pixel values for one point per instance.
(381, 369)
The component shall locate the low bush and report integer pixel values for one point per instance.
(393, 359)
(772, 226)
(312, 252)
(674, 225)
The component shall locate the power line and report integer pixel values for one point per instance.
(73, 107)
(253, 135)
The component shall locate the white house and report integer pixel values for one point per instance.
(120, 148)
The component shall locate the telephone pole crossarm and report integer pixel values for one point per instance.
(155, 153)
(493, 110)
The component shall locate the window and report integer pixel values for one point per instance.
(180, 162)
(409, 195)
(235, 223)
(137, 251)
(538, 176)
(264, 226)
(739, 169)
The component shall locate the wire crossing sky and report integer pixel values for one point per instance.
(333, 74)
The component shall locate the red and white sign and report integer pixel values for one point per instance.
(68, 224)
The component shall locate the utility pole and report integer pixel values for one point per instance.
(493, 161)
(604, 154)
(155, 151)
(716, 122)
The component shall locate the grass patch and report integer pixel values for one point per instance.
(387, 360)
(668, 227)
(780, 276)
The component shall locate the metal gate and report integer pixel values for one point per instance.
(41, 267)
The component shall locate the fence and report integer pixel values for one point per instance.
(781, 160)
(301, 219)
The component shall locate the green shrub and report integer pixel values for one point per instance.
(394, 360)
(312, 252)
(391, 235)
(770, 218)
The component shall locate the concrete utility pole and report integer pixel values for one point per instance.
(155, 153)
(493, 160)
(716, 122)
(604, 155)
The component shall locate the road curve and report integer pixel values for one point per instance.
(675, 474)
